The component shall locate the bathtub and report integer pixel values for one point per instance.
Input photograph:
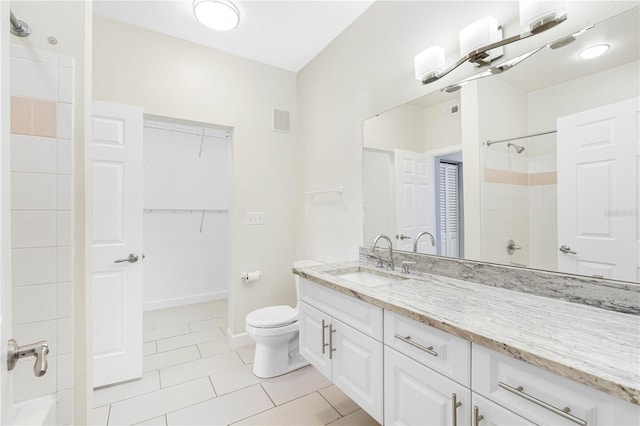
(37, 411)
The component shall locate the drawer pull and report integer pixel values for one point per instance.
(324, 345)
(408, 340)
(477, 417)
(454, 409)
(331, 348)
(563, 413)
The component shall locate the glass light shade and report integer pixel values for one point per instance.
(221, 15)
(429, 61)
(593, 51)
(478, 34)
(533, 11)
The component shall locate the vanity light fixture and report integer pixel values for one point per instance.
(593, 51)
(482, 42)
(220, 15)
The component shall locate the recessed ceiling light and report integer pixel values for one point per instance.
(221, 15)
(593, 51)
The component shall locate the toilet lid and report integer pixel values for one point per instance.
(272, 316)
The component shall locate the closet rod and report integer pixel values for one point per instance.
(185, 211)
(221, 135)
(490, 142)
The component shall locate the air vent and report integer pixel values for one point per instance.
(451, 109)
(281, 120)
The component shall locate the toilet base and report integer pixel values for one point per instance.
(271, 361)
(267, 373)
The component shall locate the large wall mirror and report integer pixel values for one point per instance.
(536, 167)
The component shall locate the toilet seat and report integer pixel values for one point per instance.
(272, 316)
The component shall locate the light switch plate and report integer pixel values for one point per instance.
(255, 218)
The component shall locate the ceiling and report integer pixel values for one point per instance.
(285, 34)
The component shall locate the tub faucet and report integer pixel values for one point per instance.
(390, 266)
(415, 242)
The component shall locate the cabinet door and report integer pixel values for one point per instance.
(487, 413)
(314, 338)
(357, 367)
(417, 395)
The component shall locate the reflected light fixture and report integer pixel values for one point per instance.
(482, 42)
(593, 51)
(220, 15)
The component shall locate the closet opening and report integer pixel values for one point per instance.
(449, 205)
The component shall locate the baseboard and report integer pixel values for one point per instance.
(238, 340)
(186, 300)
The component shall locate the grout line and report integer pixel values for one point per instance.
(108, 415)
(212, 385)
(268, 396)
(329, 402)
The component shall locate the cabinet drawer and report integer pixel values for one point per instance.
(360, 315)
(488, 413)
(417, 395)
(540, 396)
(449, 355)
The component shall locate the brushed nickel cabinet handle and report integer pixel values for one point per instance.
(331, 348)
(324, 345)
(477, 417)
(408, 340)
(454, 409)
(519, 391)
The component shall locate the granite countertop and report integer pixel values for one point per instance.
(597, 347)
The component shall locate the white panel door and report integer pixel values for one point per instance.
(314, 338)
(357, 367)
(417, 395)
(415, 200)
(598, 190)
(116, 168)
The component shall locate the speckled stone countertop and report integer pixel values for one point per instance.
(597, 347)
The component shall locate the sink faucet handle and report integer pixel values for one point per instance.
(405, 266)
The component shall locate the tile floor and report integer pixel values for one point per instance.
(193, 377)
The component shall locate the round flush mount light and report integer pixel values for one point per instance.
(593, 51)
(220, 15)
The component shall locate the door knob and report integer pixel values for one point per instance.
(566, 249)
(38, 350)
(132, 258)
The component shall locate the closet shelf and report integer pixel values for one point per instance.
(338, 190)
(185, 211)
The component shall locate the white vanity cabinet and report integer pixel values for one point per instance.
(487, 413)
(543, 397)
(349, 357)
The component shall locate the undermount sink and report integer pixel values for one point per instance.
(368, 278)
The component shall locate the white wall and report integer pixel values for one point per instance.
(174, 78)
(442, 129)
(379, 194)
(400, 128)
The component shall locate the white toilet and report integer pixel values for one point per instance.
(275, 331)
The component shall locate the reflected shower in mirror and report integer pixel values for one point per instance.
(535, 167)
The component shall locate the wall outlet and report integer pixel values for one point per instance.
(255, 218)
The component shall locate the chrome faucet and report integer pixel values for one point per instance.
(38, 350)
(415, 242)
(390, 266)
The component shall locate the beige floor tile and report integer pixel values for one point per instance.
(308, 410)
(189, 339)
(171, 376)
(214, 347)
(166, 359)
(232, 380)
(149, 348)
(161, 319)
(357, 418)
(163, 333)
(208, 324)
(156, 421)
(247, 353)
(218, 308)
(295, 384)
(156, 403)
(224, 409)
(108, 394)
(100, 415)
(338, 400)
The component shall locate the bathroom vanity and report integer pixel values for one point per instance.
(428, 349)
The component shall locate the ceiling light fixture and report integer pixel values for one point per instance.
(481, 42)
(220, 15)
(593, 51)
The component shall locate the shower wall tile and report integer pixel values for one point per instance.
(65, 157)
(44, 118)
(33, 154)
(65, 300)
(65, 336)
(33, 229)
(34, 55)
(35, 332)
(65, 371)
(64, 192)
(63, 255)
(64, 230)
(65, 121)
(34, 79)
(34, 303)
(26, 385)
(66, 61)
(65, 85)
(33, 266)
(32, 191)
(65, 407)
(21, 115)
